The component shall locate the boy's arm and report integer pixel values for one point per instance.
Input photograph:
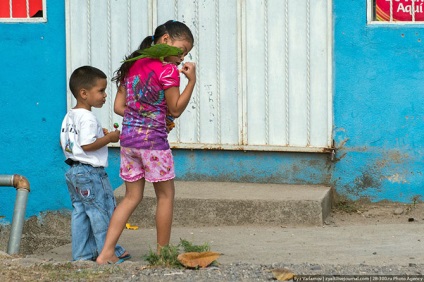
(102, 141)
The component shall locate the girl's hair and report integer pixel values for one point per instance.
(175, 30)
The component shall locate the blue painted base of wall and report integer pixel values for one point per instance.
(237, 166)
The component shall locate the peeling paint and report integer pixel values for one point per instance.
(376, 177)
(398, 157)
(342, 144)
(397, 178)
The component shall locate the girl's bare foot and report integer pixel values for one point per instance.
(111, 260)
(126, 255)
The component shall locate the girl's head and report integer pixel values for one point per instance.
(173, 33)
(176, 31)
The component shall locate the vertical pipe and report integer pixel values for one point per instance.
(17, 222)
(22, 187)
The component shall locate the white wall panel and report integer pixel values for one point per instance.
(297, 73)
(278, 73)
(263, 67)
(320, 78)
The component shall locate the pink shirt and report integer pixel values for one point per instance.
(144, 124)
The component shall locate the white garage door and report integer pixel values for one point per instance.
(264, 67)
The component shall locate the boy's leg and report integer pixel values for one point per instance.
(133, 196)
(83, 244)
(165, 192)
(100, 210)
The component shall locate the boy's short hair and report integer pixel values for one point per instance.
(84, 77)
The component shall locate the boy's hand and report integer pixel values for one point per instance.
(114, 135)
(105, 131)
(109, 137)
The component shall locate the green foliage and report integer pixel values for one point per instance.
(168, 256)
(189, 247)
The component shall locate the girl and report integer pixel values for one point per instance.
(148, 89)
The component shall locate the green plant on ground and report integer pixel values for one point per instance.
(342, 203)
(416, 199)
(189, 247)
(168, 256)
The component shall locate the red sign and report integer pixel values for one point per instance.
(19, 9)
(402, 10)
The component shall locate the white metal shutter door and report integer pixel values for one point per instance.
(288, 72)
(264, 67)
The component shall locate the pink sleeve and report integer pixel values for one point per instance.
(170, 76)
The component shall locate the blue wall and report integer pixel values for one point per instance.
(378, 117)
(32, 104)
(378, 106)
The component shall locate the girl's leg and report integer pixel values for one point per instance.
(133, 196)
(165, 192)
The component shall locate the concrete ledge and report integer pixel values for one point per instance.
(230, 203)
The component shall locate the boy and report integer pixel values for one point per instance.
(84, 144)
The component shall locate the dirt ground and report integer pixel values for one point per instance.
(51, 230)
(357, 213)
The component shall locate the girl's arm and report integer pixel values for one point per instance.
(176, 102)
(120, 101)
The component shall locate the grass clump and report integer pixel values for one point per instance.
(344, 204)
(168, 256)
(415, 200)
(189, 247)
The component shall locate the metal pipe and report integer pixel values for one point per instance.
(22, 187)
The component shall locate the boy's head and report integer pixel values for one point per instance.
(88, 85)
(84, 77)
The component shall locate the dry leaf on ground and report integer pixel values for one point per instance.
(196, 259)
(283, 274)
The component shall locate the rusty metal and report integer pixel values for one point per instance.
(20, 182)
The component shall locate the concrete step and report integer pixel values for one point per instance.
(232, 204)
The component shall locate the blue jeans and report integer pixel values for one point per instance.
(93, 204)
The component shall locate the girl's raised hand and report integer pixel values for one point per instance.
(189, 70)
